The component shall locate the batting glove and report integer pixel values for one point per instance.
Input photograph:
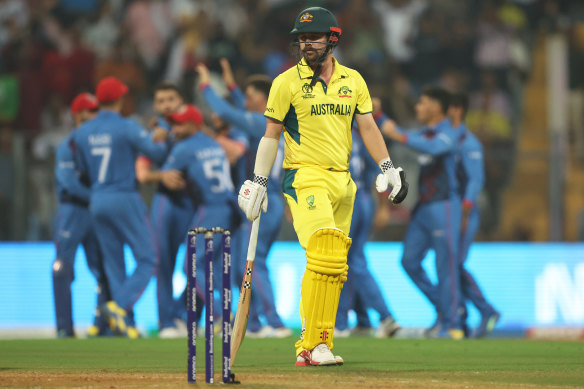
(252, 197)
(396, 178)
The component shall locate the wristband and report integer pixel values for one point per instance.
(263, 181)
(385, 164)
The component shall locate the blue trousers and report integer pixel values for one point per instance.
(121, 218)
(73, 226)
(469, 287)
(171, 221)
(361, 291)
(436, 225)
(262, 297)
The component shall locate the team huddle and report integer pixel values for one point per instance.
(324, 166)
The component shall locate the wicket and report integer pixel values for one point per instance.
(192, 304)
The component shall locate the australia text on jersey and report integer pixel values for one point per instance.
(330, 109)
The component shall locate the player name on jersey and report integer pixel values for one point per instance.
(210, 153)
(330, 109)
(100, 139)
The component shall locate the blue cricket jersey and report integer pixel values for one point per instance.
(205, 165)
(240, 169)
(439, 148)
(107, 147)
(470, 169)
(70, 187)
(251, 123)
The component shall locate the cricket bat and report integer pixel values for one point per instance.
(242, 314)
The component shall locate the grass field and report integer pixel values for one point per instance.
(269, 363)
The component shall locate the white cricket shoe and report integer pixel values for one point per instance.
(171, 333)
(321, 355)
(342, 333)
(281, 332)
(387, 328)
(264, 332)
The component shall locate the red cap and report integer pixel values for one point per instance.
(187, 113)
(110, 89)
(84, 101)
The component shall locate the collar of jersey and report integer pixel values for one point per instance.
(440, 125)
(306, 72)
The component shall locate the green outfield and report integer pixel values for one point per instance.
(269, 363)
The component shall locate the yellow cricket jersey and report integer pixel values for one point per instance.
(318, 119)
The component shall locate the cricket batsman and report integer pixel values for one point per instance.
(315, 103)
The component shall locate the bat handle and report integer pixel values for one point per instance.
(253, 239)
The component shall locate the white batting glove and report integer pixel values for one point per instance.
(396, 178)
(252, 197)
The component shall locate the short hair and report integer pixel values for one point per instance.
(166, 85)
(438, 94)
(260, 83)
(459, 100)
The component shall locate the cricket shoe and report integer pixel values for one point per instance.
(433, 331)
(63, 334)
(281, 332)
(361, 331)
(488, 323)
(387, 328)
(321, 355)
(452, 333)
(172, 333)
(264, 332)
(118, 320)
(342, 333)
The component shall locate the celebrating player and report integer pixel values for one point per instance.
(204, 163)
(361, 291)
(252, 122)
(171, 214)
(315, 103)
(471, 175)
(73, 226)
(436, 218)
(107, 149)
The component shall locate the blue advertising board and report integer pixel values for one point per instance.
(531, 284)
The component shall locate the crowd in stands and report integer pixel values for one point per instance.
(51, 50)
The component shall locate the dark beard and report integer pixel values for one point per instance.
(312, 62)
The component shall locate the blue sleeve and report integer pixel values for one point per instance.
(67, 175)
(237, 97)
(177, 159)
(78, 156)
(240, 137)
(252, 123)
(444, 142)
(379, 120)
(141, 140)
(371, 170)
(161, 122)
(472, 160)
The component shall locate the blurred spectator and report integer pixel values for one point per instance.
(6, 181)
(399, 21)
(51, 48)
(123, 63)
(102, 34)
(489, 117)
(56, 124)
(576, 83)
(149, 25)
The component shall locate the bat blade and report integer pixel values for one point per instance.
(242, 314)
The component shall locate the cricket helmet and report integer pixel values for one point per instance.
(315, 20)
